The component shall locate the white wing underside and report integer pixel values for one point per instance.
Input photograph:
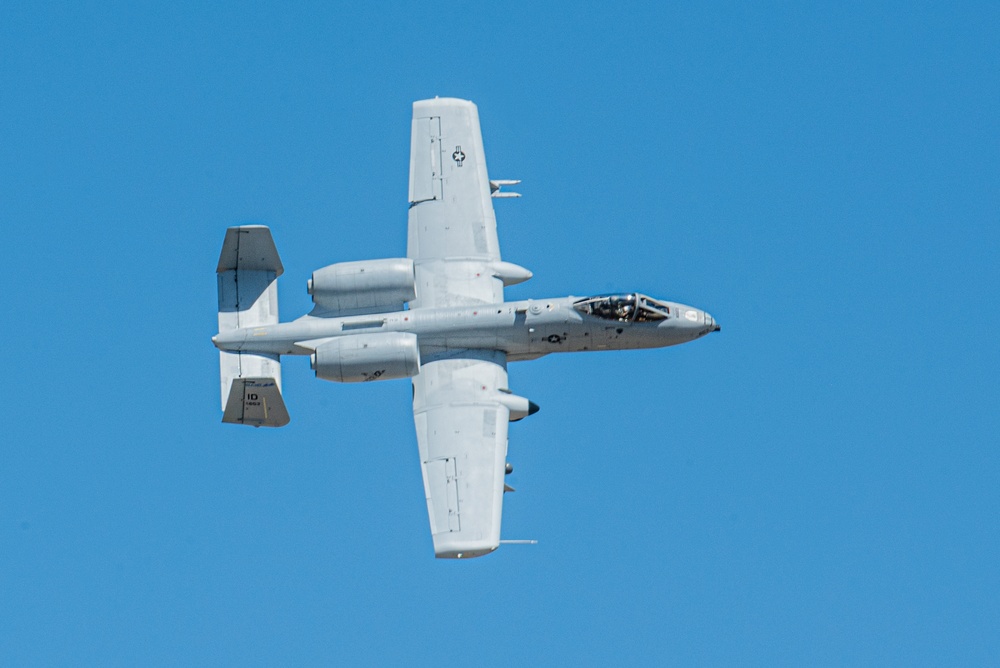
(452, 238)
(462, 437)
(452, 231)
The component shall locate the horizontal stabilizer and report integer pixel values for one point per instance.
(248, 297)
(257, 402)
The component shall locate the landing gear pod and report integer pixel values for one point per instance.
(519, 407)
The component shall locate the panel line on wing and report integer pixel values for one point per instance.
(425, 160)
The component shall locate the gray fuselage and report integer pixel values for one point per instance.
(523, 329)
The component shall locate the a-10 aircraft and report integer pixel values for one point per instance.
(438, 317)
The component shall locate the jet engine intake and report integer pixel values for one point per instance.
(360, 358)
(368, 286)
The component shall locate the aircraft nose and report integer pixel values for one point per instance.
(711, 323)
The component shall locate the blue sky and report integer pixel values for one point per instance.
(816, 485)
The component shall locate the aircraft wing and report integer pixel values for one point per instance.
(461, 404)
(462, 436)
(452, 235)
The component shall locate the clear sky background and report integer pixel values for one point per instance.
(815, 485)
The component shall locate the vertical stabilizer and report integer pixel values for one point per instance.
(256, 402)
(248, 268)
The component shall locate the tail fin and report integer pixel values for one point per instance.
(257, 402)
(248, 297)
(248, 267)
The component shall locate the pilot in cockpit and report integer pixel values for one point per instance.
(623, 311)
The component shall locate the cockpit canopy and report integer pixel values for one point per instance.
(632, 307)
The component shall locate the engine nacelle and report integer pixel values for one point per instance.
(368, 286)
(359, 358)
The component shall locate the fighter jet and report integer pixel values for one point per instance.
(437, 317)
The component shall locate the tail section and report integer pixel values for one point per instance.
(257, 402)
(248, 297)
